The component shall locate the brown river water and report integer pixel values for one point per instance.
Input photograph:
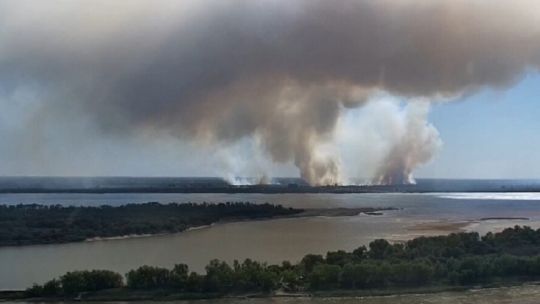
(275, 240)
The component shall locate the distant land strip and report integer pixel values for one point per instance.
(275, 189)
(32, 224)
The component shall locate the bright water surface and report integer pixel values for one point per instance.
(271, 240)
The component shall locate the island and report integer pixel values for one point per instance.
(32, 224)
(425, 264)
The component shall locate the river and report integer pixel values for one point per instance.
(270, 240)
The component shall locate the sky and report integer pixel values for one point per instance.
(380, 90)
(491, 134)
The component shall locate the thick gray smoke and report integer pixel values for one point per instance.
(282, 71)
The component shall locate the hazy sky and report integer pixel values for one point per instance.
(382, 90)
(492, 134)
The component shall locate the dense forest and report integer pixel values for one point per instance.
(461, 259)
(40, 224)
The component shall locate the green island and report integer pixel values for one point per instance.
(32, 224)
(424, 264)
(40, 224)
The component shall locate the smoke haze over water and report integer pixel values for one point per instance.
(277, 74)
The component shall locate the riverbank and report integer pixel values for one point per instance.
(165, 295)
(425, 264)
(312, 212)
(35, 224)
(303, 213)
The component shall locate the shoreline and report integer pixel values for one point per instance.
(308, 212)
(280, 189)
(449, 226)
(355, 273)
(440, 227)
(147, 235)
(429, 228)
(126, 295)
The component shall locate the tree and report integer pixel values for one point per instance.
(354, 276)
(324, 277)
(359, 253)
(73, 282)
(254, 276)
(219, 277)
(35, 291)
(291, 280)
(80, 281)
(379, 249)
(420, 273)
(340, 257)
(52, 288)
(179, 276)
(148, 277)
(310, 261)
(195, 282)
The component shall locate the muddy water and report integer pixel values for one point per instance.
(272, 241)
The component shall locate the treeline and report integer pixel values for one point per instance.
(456, 259)
(40, 224)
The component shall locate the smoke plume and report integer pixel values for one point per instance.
(417, 142)
(280, 71)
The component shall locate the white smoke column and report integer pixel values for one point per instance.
(417, 143)
(384, 141)
(243, 163)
